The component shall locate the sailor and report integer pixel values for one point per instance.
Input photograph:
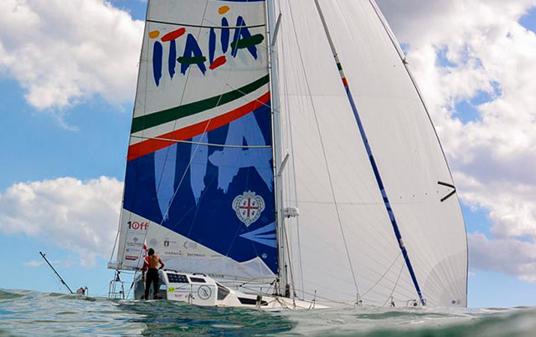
(81, 291)
(151, 265)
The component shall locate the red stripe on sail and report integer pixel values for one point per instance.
(218, 62)
(149, 146)
(174, 34)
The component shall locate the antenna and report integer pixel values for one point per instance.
(55, 272)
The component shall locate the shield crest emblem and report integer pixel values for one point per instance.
(248, 207)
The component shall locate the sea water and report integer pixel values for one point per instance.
(28, 313)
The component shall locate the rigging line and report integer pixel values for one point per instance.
(322, 145)
(140, 61)
(236, 235)
(394, 287)
(421, 98)
(245, 94)
(183, 175)
(327, 299)
(115, 243)
(381, 278)
(277, 151)
(205, 143)
(203, 26)
(164, 216)
(372, 161)
(292, 148)
(180, 103)
(291, 270)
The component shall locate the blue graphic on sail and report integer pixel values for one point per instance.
(244, 131)
(164, 166)
(265, 235)
(195, 182)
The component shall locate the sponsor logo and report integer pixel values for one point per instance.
(166, 243)
(248, 207)
(195, 255)
(204, 292)
(134, 244)
(131, 258)
(138, 225)
(190, 245)
(170, 253)
(230, 41)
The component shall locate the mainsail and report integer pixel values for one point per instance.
(199, 184)
(374, 224)
(340, 190)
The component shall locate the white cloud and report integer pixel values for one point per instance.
(63, 52)
(493, 156)
(33, 264)
(79, 216)
(509, 256)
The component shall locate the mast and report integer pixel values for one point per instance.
(373, 164)
(271, 27)
(55, 272)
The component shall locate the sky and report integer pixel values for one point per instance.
(67, 80)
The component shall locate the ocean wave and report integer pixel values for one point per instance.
(28, 313)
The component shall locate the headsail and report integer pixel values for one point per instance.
(199, 185)
(343, 245)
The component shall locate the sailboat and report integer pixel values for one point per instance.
(281, 156)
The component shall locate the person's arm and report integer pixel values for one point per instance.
(162, 265)
(143, 269)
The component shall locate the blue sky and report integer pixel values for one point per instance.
(88, 139)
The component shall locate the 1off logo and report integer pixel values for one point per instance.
(138, 226)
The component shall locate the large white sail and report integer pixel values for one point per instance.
(351, 243)
(199, 185)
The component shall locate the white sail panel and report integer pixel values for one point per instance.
(344, 227)
(403, 140)
(181, 253)
(343, 230)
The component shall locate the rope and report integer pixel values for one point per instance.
(383, 275)
(164, 216)
(324, 153)
(394, 287)
(204, 143)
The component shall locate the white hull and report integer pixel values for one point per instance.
(202, 290)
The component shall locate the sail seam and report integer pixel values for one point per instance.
(140, 149)
(205, 143)
(203, 26)
(332, 190)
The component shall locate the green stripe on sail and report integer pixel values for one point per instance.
(247, 42)
(191, 60)
(161, 117)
